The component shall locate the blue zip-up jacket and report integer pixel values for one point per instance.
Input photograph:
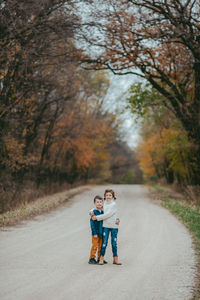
(97, 226)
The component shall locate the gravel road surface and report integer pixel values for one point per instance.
(47, 258)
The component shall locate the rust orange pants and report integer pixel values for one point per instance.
(96, 247)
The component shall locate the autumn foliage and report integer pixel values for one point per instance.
(54, 129)
(158, 41)
(165, 151)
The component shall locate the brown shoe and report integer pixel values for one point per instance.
(116, 261)
(101, 260)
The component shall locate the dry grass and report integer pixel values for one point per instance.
(39, 206)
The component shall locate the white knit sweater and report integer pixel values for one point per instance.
(110, 214)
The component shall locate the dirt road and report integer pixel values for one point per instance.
(48, 258)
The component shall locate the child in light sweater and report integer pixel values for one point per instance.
(109, 225)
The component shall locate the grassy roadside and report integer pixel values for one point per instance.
(187, 213)
(39, 206)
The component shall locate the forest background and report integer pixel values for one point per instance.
(54, 129)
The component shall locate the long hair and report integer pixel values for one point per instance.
(110, 191)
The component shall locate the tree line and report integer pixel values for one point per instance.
(54, 129)
(165, 152)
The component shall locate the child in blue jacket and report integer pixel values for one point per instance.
(97, 231)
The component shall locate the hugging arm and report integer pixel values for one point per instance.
(91, 212)
(111, 211)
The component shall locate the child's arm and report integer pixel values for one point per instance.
(111, 211)
(117, 221)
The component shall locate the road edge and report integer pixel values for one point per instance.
(159, 194)
(39, 206)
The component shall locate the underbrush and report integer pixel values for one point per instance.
(38, 206)
(14, 195)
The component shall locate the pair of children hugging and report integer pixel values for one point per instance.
(103, 222)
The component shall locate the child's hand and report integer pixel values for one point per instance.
(94, 218)
(117, 222)
(91, 213)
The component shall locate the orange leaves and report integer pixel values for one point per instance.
(84, 152)
(83, 137)
(13, 155)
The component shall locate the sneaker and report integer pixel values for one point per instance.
(92, 261)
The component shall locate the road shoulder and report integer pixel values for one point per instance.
(187, 213)
(40, 206)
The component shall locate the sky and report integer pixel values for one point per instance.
(115, 101)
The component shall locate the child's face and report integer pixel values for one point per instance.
(109, 196)
(99, 203)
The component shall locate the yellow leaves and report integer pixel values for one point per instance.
(146, 154)
(166, 149)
